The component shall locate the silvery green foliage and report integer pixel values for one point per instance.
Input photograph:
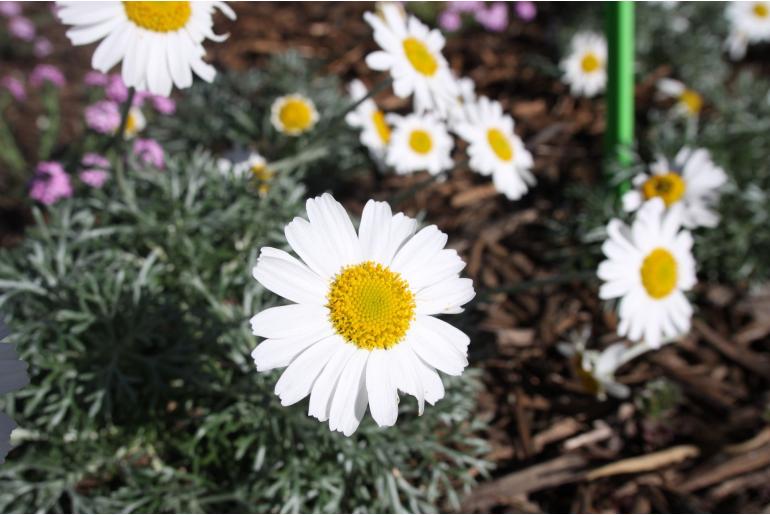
(131, 305)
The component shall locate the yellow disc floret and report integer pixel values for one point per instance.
(761, 10)
(383, 131)
(659, 273)
(590, 62)
(670, 187)
(370, 306)
(692, 101)
(500, 144)
(296, 115)
(420, 141)
(420, 57)
(158, 16)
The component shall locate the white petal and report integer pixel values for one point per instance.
(331, 221)
(383, 397)
(295, 383)
(345, 408)
(436, 353)
(326, 384)
(279, 352)
(281, 321)
(445, 297)
(284, 275)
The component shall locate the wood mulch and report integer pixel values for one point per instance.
(556, 448)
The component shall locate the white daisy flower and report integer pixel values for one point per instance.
(375, 131)
(494, 149)
(585, 69)
(363, 324)
(692, 181)
(13, 376)
(749, 23)
(596, 370)
(412, 54)
(649, 265)
(253, 166)
(466, 97)
(419, 142)
(293, 114)
(689, 102)
(160, 43)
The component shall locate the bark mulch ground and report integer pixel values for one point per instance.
(697, 441)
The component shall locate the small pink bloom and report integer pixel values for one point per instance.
(494, 18)
(149, 152)
(92, 159)
(526, 10)
(94, 177)
(163, 105)
(42, 48)
(103, 117)
(22, 28)
(47, 73)
(15, 87)
(115, 89)
(94, 78)
(10, 9)
(51, 183)
(449, 20)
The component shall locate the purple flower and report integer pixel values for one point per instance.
(494, 17)
(22, 28)
(103, 117)
(163, 105)
(51, 183)
(42, 48)
(94, 78)
(94, 160)
(10, 9)
(449, 20)
(149, 152)
(93, 177)
(526, 10)
(47, 73)
(115, 89)
(15, 87)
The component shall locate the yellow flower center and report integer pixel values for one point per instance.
(500, 144)
(383, 131)
(420, 57)
(692, 100)
(760, 10)
(420, 141)
(158, 16)
(370, 306)
(131, 125)
(296, 115)
(590, 62)
(659, 273)
(262, 172)
(586, 378)
(670, 187)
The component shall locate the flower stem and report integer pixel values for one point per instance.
(124, 114)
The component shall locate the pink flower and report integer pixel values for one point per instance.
(94, 178)
(10, 9)
(494, 18)
(526, 10)
(95, 160)
(94, 78)
(42, 48)
(47, 73)
(22, 28)
(51, 183)
(449, 20)
(163, 105)
(465, 7)
(103, 117)
(149, 152)
(115, 89)
(15, 87)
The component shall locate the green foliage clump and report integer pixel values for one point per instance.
(131, 305)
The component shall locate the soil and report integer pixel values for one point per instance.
(555, 446)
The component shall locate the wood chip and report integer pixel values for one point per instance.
(653, 461)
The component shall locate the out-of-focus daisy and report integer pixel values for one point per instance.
(419, 142)
(466, 97)
(363, 325)
(649, 266)
(585, 68)
(254, 166)
(412, 54)
(749, 23)
(595, 369)
(692, 181)
(689, 102)
(293, 114)
(13, 376)
(375, 131)
(494, 149)
(160, 43)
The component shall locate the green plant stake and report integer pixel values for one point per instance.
(619, 135)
